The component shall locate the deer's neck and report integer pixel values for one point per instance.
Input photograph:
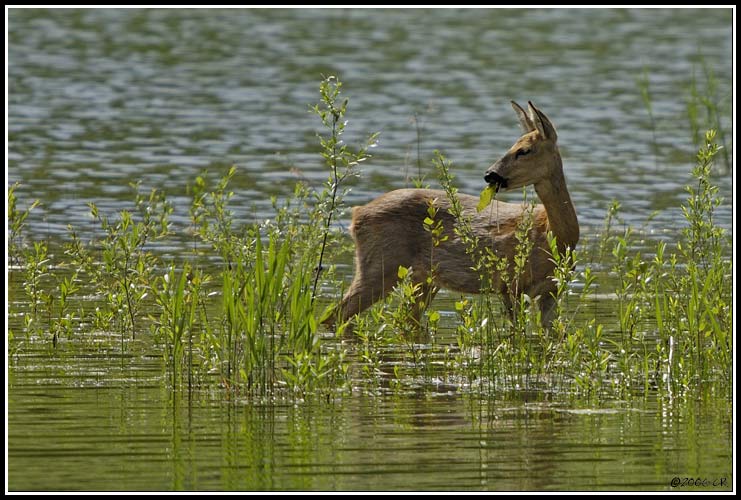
(562, 219)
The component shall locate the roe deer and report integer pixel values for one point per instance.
(388, 232)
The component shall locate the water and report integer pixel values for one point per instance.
(108, 424)
(100, 98)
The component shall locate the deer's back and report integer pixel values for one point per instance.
(390, 228)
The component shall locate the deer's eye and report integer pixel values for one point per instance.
(522, 152)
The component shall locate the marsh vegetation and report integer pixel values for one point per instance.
(242, 309)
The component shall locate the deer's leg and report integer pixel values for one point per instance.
(546, 302)
(508, 305)
(362, 294)
(547, 309)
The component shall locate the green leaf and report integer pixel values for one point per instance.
(485, 198)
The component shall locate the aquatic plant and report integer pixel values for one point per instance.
(242, 309)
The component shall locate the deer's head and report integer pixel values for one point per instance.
(534, 157)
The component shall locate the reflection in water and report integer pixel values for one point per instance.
(131, 433)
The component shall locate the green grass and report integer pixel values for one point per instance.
(240, 308)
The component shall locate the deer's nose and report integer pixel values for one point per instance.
(495, 180)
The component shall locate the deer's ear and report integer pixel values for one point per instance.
(525, 122)
(542, 123)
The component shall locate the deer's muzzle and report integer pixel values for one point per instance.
(495, 180)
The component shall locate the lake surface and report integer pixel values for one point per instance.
(104, 97)
(108, 425)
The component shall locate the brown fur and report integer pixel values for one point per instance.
(388, 232)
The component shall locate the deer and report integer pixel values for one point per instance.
(388, 231)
